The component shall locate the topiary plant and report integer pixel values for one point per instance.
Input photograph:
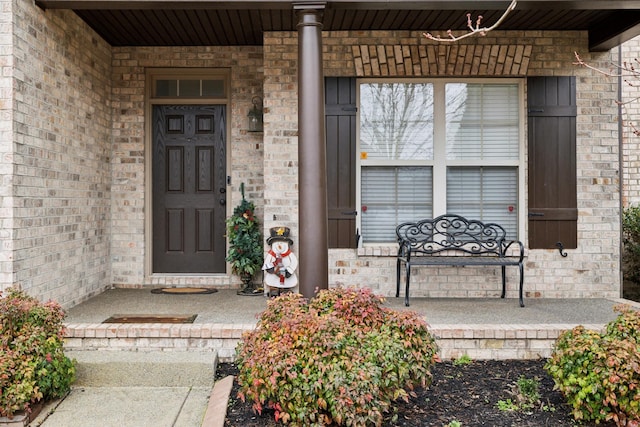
(599, 373)
(342, 358)
(246, 250)
(33, 366)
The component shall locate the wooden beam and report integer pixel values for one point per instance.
(163, 4)
(616, 29)
(463, 5)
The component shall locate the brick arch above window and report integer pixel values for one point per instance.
(441, 60)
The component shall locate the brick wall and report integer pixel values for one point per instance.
(281, 131)
(244, 164)
(56, 150)
(75, 206)
(631, 118)
(592, 270)
(6, 145)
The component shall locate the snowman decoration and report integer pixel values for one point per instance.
(279, 263)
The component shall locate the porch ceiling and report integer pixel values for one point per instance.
(223, 23)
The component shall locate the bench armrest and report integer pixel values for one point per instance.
(506, 244)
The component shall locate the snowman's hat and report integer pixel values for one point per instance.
(279, 234)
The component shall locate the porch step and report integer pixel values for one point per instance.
(198, 337)
(109, 368)
(500, 341)
(478, 341)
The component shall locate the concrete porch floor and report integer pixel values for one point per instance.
(225, 306)
(483, 328)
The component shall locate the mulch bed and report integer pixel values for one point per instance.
(468, 394)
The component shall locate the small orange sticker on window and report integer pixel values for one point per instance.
(363, 155)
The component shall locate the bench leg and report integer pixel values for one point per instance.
(504, 281)
(521, 268)
(406, 285)
(398, 279)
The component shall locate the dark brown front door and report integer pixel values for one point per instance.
(189, 185)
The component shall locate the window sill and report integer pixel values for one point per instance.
(390, 250)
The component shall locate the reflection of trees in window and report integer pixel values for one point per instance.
(456, 96)
(396, 120)
(482, 121)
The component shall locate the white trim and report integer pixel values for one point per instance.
(522, 177)
(439, 151)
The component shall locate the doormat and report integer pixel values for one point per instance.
(183, 291)
(151, 318)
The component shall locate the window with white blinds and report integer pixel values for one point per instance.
(438, 146)
(391, 195)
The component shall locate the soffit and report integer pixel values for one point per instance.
(216, 23)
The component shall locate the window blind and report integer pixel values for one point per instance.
(392, 195)
(482, 121)
(489, 194)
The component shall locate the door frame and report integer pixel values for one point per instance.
(151, 75)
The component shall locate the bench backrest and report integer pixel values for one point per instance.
(451, 232)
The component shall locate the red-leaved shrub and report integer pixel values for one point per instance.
(33, 366)
(342, 358)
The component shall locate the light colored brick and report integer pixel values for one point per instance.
(75, 144)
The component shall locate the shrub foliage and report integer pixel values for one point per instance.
(631, 240)
(599, 373)
(341, 358)
(33, 366)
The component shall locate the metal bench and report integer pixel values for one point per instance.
(452, 240)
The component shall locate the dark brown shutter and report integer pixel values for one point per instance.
(553, 213)
(340, 115)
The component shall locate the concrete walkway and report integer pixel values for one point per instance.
(135, 389)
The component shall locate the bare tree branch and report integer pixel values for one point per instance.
(473, 30)
(626, 71)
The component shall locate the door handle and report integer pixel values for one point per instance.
(536, 214)
(350, 213)
(223, 202)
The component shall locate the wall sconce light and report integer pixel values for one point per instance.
(255, 115)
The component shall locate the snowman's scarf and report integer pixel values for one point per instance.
(278, 257)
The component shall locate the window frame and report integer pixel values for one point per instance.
(154, 75)
(440, 163)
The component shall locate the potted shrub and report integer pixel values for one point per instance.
(245, 244)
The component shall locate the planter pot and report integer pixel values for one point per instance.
(248, 288)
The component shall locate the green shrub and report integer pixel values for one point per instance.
(631, 241)
(342, 358)
(626, 326)
(599, 374)
(33, 366)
